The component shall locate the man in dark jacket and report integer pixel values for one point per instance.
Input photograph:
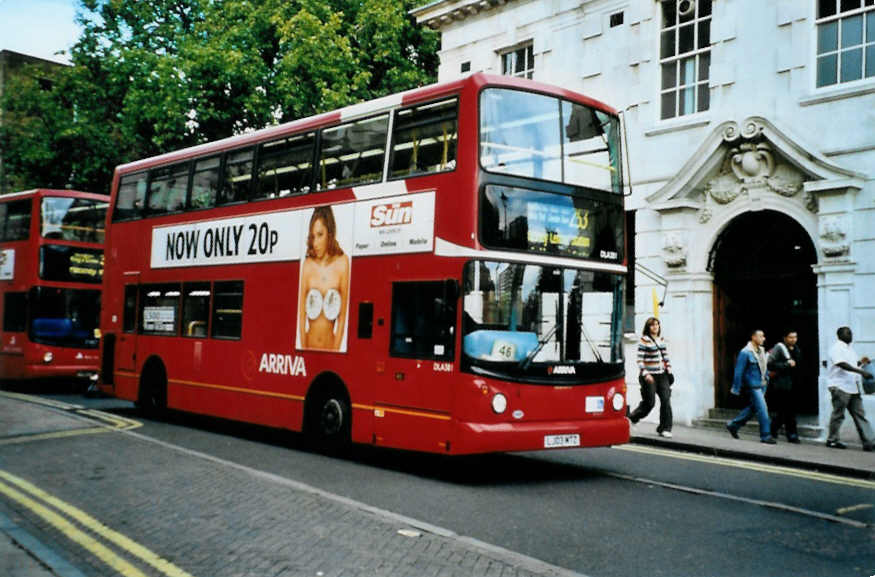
(784, 360)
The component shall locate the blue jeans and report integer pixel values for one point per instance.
(756, 404)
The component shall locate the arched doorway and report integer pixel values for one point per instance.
(763, 279)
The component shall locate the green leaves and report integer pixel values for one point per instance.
(150, 77)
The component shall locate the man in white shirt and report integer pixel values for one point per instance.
(844, 385)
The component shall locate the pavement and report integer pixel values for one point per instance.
(15, 561)
(22, 555)
(809, 454)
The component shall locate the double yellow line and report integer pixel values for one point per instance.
(85, 530)
(107, 422)
(73, 523)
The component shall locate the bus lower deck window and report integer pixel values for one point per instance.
(228, 310)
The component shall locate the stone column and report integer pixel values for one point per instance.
(689, 330)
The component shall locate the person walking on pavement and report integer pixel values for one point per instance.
(843, 382)
(783, 364)
(751, 378)
(655, 377)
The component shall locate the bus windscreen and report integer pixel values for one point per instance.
(523, 320)
(544, 137)
(64, 317)
(76, 219)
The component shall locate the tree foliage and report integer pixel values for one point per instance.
(150, 77)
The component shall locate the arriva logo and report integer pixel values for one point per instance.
(392, 214)
(280, 364)
(561, 370)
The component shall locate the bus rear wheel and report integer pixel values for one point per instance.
(152, 398)
(328, 422)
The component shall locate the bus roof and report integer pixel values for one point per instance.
(360, 110)
(40, 192)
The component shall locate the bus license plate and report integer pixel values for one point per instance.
(595, 404)
(552, 441)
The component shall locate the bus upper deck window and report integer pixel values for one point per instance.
(237, 177)
(285, 166)
(424, 139)
(353, 153)
(131, 197)
(168, 187)
(205, 182)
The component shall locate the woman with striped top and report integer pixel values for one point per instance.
(655, 377)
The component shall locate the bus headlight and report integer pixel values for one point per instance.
(48, 357)
(617, 401)
(499, 403)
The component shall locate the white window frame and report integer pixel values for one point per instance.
(866, 12)
(697, 84)
(527, 50)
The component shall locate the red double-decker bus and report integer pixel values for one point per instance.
(51, 267)
(439, 270)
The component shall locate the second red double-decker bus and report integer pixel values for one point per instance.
(51, 267)
(439, 270)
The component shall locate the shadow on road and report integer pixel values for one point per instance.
(472, 470)
(59, 386)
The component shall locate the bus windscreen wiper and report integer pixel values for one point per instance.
(592, 345)
(524, 364)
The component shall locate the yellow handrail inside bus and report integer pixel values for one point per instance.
(446, 149)
(414, 158)
(193, 326)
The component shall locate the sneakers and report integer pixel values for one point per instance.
(666, 434)
(732, 431)
(836, 445)
(769, 441)
(794, 440)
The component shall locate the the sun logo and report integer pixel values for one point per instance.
(392, 214)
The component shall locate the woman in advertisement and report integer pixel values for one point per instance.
(324, 292)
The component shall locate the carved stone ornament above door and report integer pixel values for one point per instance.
(751, 163)
(737, 158)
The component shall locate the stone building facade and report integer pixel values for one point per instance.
(750, 132)
(11, 65)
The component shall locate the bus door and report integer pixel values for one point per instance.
(13, 333)
(126, 344)
(414, 393)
